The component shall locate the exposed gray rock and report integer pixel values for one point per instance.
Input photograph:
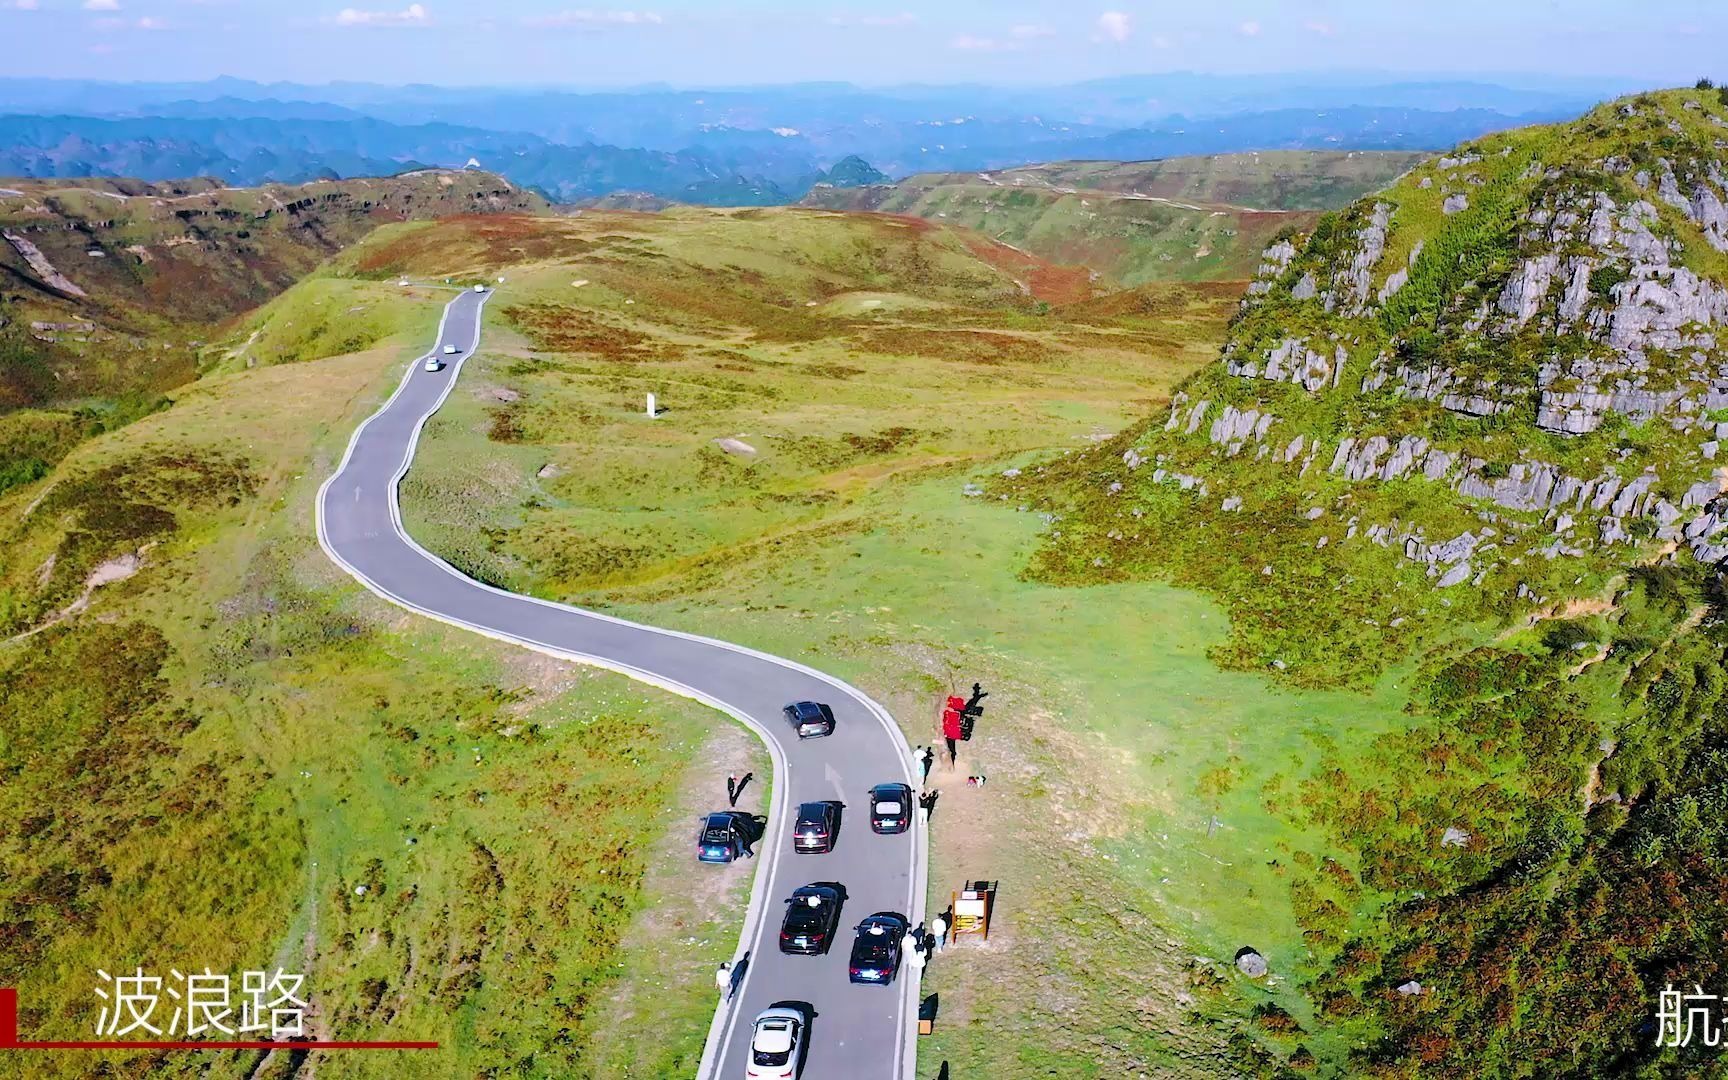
(1252, 964)
(1651, 308)
(1577, 296)
(1233, 502)
(1455, 576)
(1354, 283)
(1195, 416)
(1700, 493)
(1360, 461)
(1454, 204)
(1291, 360)
(1305, 288)
(1454, 837)
(1528, 286)
(1397, 280)
(40, 265)
(1235, 426)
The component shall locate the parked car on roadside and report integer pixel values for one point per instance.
(724, 836)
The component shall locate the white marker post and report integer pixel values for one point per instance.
(651, 410)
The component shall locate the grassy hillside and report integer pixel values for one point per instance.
(452, 839)
(109, 289)
(829, 398)
(1179, 219)
(1461, 444)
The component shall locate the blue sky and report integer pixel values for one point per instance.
(719, 42)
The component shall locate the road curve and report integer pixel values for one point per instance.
(859, 1032)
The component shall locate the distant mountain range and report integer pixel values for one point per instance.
(746, 146)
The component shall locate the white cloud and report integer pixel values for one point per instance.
(1114, 26)
(977, 43)
(101, 5)
(904, 18)
(1249, 29)
(1317, 26)
(150, 22)
(22, 5)
(585, 19)
(1016, 38)
(412, 15)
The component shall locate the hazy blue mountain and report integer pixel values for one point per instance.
(751, 145)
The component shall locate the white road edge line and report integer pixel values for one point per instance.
(725, 1015)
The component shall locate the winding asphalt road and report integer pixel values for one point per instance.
(859, 1032)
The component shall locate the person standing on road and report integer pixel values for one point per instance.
(926, 805)
(723, 980)
(915, 960)
(909, 943)
(732, 789)
(939, 932)
(926, 757)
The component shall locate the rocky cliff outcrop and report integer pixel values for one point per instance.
(1531, 333)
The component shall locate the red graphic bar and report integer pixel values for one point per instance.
(9, 1039)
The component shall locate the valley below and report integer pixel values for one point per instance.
(1180, 460)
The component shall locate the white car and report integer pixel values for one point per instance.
(479, 288)
(449, 350)
(432, 363)
(776, 1045)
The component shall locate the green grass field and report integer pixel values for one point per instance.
(452, 839)
(1181, 219)
(1128, 813)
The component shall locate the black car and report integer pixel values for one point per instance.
(876, 949)
(724, 836)
(811, 719)
(812, 917)
(817, 826)
(890, 808)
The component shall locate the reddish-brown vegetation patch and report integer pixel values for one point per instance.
(970, 346)
(1045, 281)
(560, 329)
(489, 240)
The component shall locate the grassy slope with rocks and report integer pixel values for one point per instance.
(1184, 219)
(111, 287)
(1460, 448)
(453, 839)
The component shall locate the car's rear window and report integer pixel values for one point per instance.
(773, 1039)
(888, 808)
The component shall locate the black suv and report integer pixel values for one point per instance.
(811, 719)
(812, 916)
(817, 826)
(725, 835)
(876, 949)
(890, 808)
